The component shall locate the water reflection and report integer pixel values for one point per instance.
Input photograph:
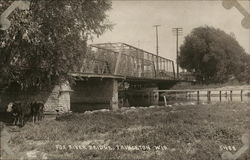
(201, 97)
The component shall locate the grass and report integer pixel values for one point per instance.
(186, 132)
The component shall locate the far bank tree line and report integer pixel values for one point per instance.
(214, 56)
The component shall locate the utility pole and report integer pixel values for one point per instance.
(177, 32)
(157, 49)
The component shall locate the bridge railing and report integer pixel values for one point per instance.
(125, 60)
(97, 61)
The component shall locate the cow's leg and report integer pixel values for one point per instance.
(36, 117)
(33, 118)
(21, 118)
(14, 122)
(39, 116)
(17, 120)
(22, 121)
(41, 112)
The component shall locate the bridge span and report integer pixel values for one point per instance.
(120, 60)
(113, 74)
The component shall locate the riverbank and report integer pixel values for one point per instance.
(178, 132)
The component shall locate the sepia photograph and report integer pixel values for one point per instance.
(124, 79)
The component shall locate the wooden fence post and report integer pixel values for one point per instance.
(198, 97)
(241, 95)
(209, 96)
(231, 95)
(165, 101)
(220, 96)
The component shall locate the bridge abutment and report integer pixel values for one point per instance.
(114, 104)
(93, 94)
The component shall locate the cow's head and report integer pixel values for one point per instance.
(10, 107)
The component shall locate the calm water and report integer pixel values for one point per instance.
(191, 98)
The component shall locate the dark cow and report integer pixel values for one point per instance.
(22, 111)
(12, 108)
(37, 109)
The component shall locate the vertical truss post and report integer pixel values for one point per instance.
(173, 70)
(117, 63)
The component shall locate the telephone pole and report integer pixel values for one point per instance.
(157, 49)
(177, 32)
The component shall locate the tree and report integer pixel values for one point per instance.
(245, 74)
(212, 55)
(45, 43)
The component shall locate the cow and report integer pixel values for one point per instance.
(41, 111)
(37, 109)
(20, 111)
(23, 110)
(12, 109)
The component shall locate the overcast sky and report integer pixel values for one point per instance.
(134, 22)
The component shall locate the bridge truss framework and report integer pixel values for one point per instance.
(120, 60)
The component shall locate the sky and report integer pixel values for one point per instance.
(134, 22)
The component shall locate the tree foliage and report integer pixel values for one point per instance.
(213, 56)
(45, 43)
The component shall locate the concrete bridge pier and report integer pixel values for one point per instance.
(114, 100)
(64, 96)
(154, 97)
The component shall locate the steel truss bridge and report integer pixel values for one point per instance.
(120, 60)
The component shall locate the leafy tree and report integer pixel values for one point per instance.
(212, 55)
(45, 43)
(245, 74)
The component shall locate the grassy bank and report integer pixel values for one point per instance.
(183, 133)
